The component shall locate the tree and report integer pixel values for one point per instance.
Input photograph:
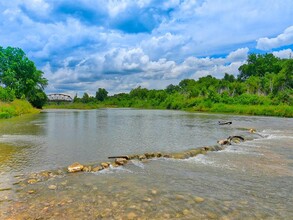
(101, 94)
(20, 74)
(85, 98)
(259, 65)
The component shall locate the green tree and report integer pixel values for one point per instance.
(85, 98)
(101, 94)
(259, 65)
(20, 74)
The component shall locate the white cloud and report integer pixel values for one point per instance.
(288, 53)
(286, 38)
(238, 55)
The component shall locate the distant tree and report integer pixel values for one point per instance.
(259, 65)
(85, 98)
(20, 74)
(172, 88)
(101, 94)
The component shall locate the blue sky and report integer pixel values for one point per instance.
(83, 45)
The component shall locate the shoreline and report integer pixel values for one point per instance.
(285, 111)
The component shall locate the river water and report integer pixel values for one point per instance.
(247, 180)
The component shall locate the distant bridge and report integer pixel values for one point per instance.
(59, 98)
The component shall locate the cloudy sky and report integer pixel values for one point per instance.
(83, 45)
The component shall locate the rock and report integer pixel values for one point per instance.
(179, 197)
(198, 199)
(147, 199)
(120, 161)
(52, 187)
(223, 142)
(85, 169)
(159, 154)
(105, 165)
(114, 204)
(75, 167)
(142, 157)
(31, 191)
(186, 212)
(32, 181)
(154, 192)
(96, 169)
(131, 215)
(252, 130)
(212, 215)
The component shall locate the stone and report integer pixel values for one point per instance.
(147, 199)
(85, 169)
(252, 130)
(198, 199)
(223, 142)
(131, 215)
(52, 187)
(120, 161)
(114, 204)
(96, 169)
(31, 191)
(105, 165)
(142, 157)
(186, 212)
(75, 167)
(154, 192)
(32, 181)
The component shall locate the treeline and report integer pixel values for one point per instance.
(263, 81)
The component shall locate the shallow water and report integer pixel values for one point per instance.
(249, 180)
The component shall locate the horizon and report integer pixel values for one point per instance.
(119, 45)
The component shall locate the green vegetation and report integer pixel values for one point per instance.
(20, 79)
(16, 108)
(263, 87)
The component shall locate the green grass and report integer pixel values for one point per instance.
(201, 106)
(16, 108)
(76, 105)
(265, 110)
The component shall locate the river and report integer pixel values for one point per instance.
(247, 180)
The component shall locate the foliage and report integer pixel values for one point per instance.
(101, 94)
(20, 75)
(6, 95)
(16, 108)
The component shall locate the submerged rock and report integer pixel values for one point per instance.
(75, 167)
(198, 199)
(52, 187)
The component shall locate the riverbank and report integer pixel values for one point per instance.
(16, 108)
(259, 110)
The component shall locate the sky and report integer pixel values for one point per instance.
(83, 45)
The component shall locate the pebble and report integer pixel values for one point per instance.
(198, 199)
(32, 181)
(154, 192)
(131, 215)
(52, 187)
(147, 199)
(114, 204)
(31, 191)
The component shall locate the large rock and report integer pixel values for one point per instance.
(75, 167)
(105, 165)
(120, 161)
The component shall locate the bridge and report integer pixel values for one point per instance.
(58, 97)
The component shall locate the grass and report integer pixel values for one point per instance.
(16, 108)
(265, 110)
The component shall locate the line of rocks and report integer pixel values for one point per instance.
(122, 160)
